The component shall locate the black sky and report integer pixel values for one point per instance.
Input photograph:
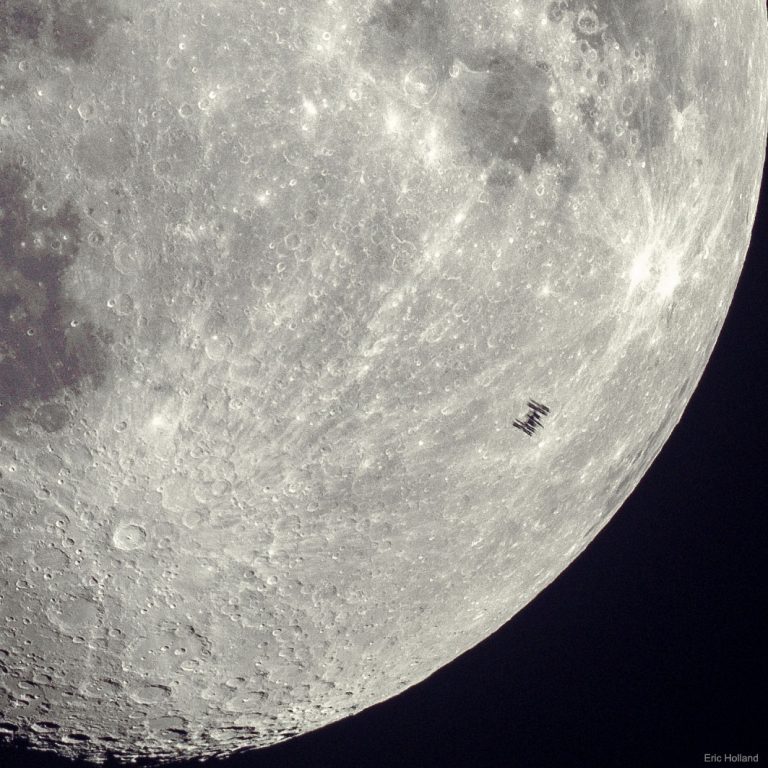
(650, 650)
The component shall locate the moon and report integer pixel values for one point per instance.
(331, 333)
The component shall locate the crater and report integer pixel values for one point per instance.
(74, 614)
(129, 536)
(150, 693)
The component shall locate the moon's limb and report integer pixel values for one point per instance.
(301, 270)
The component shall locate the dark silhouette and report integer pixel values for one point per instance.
(532, 419)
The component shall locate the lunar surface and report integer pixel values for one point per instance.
(332, 332)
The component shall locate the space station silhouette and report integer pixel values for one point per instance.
(532, 420)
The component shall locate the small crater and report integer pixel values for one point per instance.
(86, 110)
(51, 559)
(194, 518)
(149, 693)
(129, 536)
(587, 22)
(128, 259)
(74, 615)
(102, 688)
(45, 727)
(556, 11)
(218, 347)
(167, 723)
(246, 702)
(421, 85)
(123, 304)
(76, 738)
